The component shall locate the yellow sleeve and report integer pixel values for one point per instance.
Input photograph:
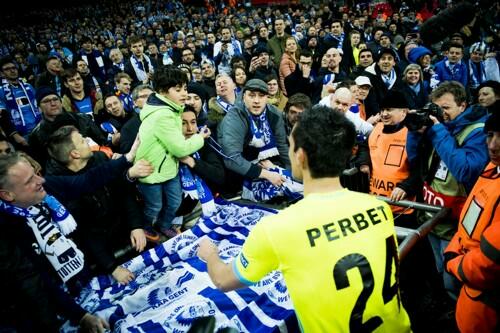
(257, 257)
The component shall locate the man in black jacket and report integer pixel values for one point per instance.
(300, 80)
(383, 76)
(32, 295)
(109, 217)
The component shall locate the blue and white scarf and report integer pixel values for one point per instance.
(120, 66)
(196, 188)
(262, 190)
(14, 104)
(50, 222)
(454, 69)
(128, 102)
(98, 58)
(476, 78)
(340, 40)
(223, 104)
(172, 286)
(166, 59)
(140, 70)
(262, 136)
(96, 84)
(389, 79)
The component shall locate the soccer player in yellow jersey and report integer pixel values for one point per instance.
(336, 248)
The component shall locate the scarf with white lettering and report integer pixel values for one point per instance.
(196, 188)
(50, 222)
(14, 103)
(98, 58)
(476, 76)
(262, 136)
(140, 70)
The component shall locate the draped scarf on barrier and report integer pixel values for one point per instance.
(260, 190)
(172, 286)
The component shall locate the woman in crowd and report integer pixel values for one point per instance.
(288, 61)
(414, 88)
(239, 77)
(422, 56)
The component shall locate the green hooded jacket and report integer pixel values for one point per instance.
(162, 141)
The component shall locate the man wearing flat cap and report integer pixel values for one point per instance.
(252, 135)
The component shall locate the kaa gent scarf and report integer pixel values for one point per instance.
(262, 136)
(196, 188)
(50, 223)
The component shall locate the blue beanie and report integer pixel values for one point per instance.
(417, 53)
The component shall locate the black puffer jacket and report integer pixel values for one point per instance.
(105, 217)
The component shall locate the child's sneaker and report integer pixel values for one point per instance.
(170, 232)
(152, 236)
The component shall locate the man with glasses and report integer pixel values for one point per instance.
(17, 99)
(187, 56)
(301, 81)
(53, 117)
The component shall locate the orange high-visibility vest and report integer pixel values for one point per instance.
(390, 164)
(477, 244)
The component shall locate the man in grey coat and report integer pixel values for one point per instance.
(252, 136)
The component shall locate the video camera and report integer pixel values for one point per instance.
(416, 120)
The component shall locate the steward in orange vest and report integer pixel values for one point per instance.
(473, 255)
(391, 175)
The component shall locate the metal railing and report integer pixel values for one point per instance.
(355, 180)
(413, 236)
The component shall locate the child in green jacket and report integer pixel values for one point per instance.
(162, 144)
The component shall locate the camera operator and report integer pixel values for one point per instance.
(453, 153)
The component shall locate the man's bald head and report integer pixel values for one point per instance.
(342, 99)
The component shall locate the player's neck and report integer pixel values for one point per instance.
(321, 185)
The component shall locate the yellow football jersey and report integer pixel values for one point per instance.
(338, 255)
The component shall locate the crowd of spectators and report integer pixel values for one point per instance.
(78, 86)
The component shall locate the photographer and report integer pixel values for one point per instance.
(261, 65)
(453, 153)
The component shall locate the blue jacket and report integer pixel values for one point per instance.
(443, 73)
(466, 162)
